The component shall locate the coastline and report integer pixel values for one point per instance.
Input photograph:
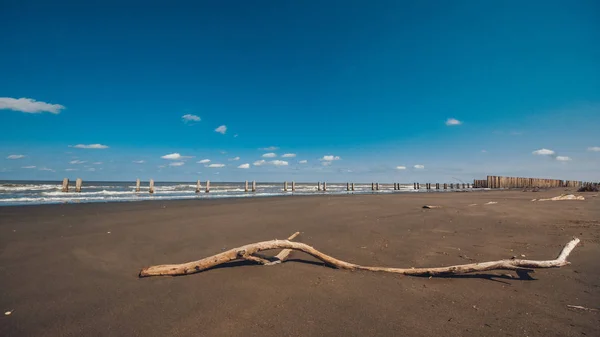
(63, 273)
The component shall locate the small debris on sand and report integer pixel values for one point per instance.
(491, 203)
(581, 308)
(8, 313)
(564, 197)
(431, 206)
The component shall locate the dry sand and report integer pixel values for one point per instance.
(71, 270)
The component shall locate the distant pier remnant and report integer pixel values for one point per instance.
(65, 185)
(372, 186)
(318, 186)
(151, 187)
(137, 185)
(246, 186)
(347, 187)
(376, 186)
(285, 186)
(293, 186)
(78, 184)
(352, 187)
(324, 186)
(198, 186)
(414, 186)
(418, 186)
(445, 186)
(253, 185)
(207, 186)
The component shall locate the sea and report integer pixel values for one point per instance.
(50, 192)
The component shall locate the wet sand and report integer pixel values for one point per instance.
(71, 270)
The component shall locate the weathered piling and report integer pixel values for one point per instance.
(451, 186)
(463, 185)
(324, 186)
(347, 187)
(198, 186)
(414, 186)
(78, 184)
(318, 186)
(65, 185)
(377, 186)
(372, 186)
(246, 186)
(253, 185)
(445, 186)
(285, 186)
(293, 186)
(137, 185)
(418, 186)
(151, 186)
(352, 187)
(207, 186)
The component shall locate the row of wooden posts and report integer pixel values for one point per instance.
(519, 182)
(445, 186)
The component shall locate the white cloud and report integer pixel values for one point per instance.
(174, 156)
(269, 155)
(289, 155)
(594, 148)
(330, 158)
(97, 163)
(89, 146)
(46, 169)
(77, 162)
(303, 161)
(29, 105)
(203, 161)
(543, 152)
(400, 167)
(91, 169)
(15, 156)
(259, 162)
(139, 161)
(71, 169)
(419, 167)
(279, 162)
(221, 129)
(216, 165)
(244, 166)
(177, 163)
(234, 158)
(453, 121)
(326, 163)
(270, 148)
(28, 167)
(563, 158)
(190, 118)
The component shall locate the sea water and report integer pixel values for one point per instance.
(50, 192)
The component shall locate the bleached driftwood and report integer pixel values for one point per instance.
(248, 252)
(564, 197)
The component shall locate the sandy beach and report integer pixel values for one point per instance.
(72, 270)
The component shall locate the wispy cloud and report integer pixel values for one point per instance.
(269, 155)
(216, 165)
(279, 162)
(244, 166)
(203, 161)
(71, 169)
(400, 167)
(174, 156)
(453, 121)
(190, 118)
(16, 156)
(288, 155)
(89, 146)
(91, 169)
(419, 167)
(303, 161)
(46, 169)
(543, 152)
(28, 167)
(270, 148)
(234, 158)
(326, 163)
(139, 161)
(221, 129)
(594, 148)
(97, 163)
(74, 162)
(563, 158)
(330, 158)
(177, 163)
(259, 162)
(29, 105)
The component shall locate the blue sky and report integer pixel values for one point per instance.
(356, 89)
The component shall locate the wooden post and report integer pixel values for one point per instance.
(414, 186)
(352, 186)
(372, 186)
(293, 186)
(377, 186)
(65, 185)
(324, 186)
(253, 185)
(445, 186)
(347, 187)
(418, 186)
(197, 186)
(246, 186)
(78, 184)
(285, 185)
(207, 186)
(151, 187)
(318, 186)
(137, 185)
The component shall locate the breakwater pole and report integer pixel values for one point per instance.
(293, 186)
(318, 186)
(285, 186)
(347, 187)
(246, 187)
(137, 185)
(352, 187)
(78, 184)
(376, 186)
(151, 187)
(65, 185)
(207, 186)
(253, 185)
(522, 182)
(198, 186)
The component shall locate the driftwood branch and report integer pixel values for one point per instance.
(248, 252)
